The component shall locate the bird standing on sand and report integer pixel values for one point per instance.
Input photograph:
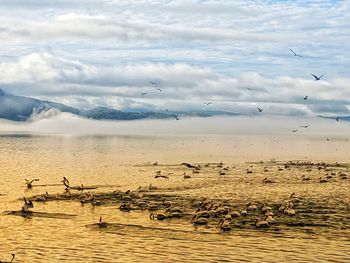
(186, 176)
(65, 181)
(151, 187)
(289, 211)
(224, 224)
(101, 223)
(158, 216)
(317, 78)
(27, 205)
(251, 207)
(304, 126)
(196, 220)
(261, 223)
(295, 54)
(337, 118)
(269, 219)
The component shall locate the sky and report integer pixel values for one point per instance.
(235, 54)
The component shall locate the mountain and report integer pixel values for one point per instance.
(18, 108)
(103, 113)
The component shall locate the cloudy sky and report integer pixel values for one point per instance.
(92, 53)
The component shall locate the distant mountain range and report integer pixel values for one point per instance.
(19, 108)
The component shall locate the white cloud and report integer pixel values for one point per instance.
(73, 26)
(45, 67)
(47, 76)
(219, 21)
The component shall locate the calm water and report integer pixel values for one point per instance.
(119, 162)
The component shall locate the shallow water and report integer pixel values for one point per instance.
(121, 162)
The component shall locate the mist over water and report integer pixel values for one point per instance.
(239, 138)
(255, 125)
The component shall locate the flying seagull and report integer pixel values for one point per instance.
(305, 98)
(143, 94)
(208, 103)
(260, 110)
(177, 118)
(317, 78)
(153, 83)
(295, 54)
(305, 126)
(29, 183)
(160, 90)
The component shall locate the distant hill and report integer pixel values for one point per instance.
(103, 113)
(18, 108)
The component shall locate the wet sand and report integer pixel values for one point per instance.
(318, 231)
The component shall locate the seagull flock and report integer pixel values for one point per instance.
(315, 77)
(260, 109)
(153, 83)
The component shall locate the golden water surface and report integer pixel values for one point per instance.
(122, 163)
